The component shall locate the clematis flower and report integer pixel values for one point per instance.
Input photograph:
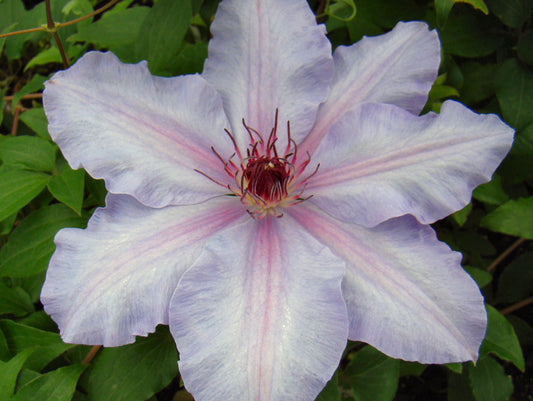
(272, 207)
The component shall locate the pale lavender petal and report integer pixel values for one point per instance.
(398, 67)
(113, 281)
(380, 161)
(267, 55)
(143, 134)
(260, 315)
(406, 292)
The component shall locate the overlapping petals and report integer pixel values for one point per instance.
(405, 291)
(267, 55)
(113, 281)
(261, 309)
(380, 161)
(260, 315)
(397, 68)
(143, 134)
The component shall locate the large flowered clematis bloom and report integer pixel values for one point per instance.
(272, 207)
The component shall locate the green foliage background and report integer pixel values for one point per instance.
(487, 64)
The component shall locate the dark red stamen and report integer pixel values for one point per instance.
(266, 181)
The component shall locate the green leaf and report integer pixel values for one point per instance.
(343, 10)
(36, 120)
(134, 372)
(374, 15)
(477, 4)
(524, 48)
(14, 16)
(478, 82)
(501, 340)
(7, 224)
(189, 61)
(492, 192)
(97, 192)
(47, 56)
(14, 301)
(79, 8)
(58, 385)
(518, 165)
(373, 375)
(5, 354)
(5, 29)
(68, 186)
(481, 277)
(18, 188)
(26, 376)
(489, 382)
(48, 345)
(516, 281)
(514, 90)
(28, 152)
(10, 371)
(440, 92)
(30, 245)
(39, 320)
(455, 367)
(443, 8)
(461, 216)
(331, 391)
(469, 34)
(35, 85)
(523, 330)
(512, 13)
(113, 30)
(411, 368)
(514, 218)
(459, 388)
(161, 36)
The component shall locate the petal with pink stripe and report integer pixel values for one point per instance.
(380, 161)
(260, 315)
(267, 55)
(405, 291)
(398, 68)
(113, 280)
(144, 135)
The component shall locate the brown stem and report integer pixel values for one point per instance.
(52, 27)
(321, 7)
(506, 253)
(5, 35)
(518, 305)
(61, 25)
(96, 12)
(25, 97)
(91, 354)
(15, 121)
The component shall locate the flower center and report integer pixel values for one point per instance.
(266, 182)
(266, 178)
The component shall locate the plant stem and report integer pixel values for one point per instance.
(15, 121)
(96, 12)
(518, 305)
(506, 253)
(25, 97)
(52, 27)
(91, 354)
(5, 35)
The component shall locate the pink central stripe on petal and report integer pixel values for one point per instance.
(390, 162)
(165, 141)
(379, 271)
(196, 228)
(265, 288)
